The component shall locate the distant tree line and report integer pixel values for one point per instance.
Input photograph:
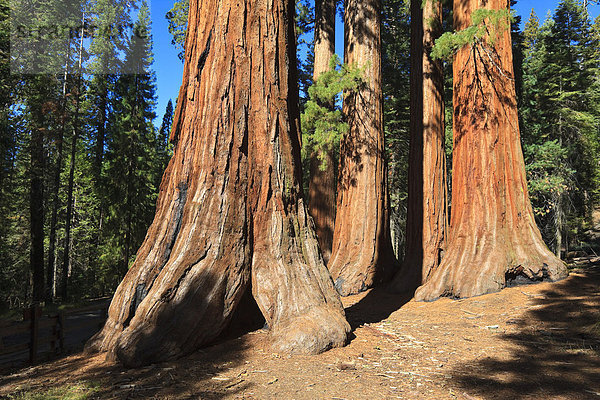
(80, 157)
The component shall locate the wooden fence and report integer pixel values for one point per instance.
(46, 335)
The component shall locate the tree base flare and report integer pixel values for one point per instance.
(312, 333)
(467, 273)
(230, 211)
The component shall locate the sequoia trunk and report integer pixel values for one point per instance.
(427, 216)
(230, 209)
(493, 236)
(321, 187)
(362, 251)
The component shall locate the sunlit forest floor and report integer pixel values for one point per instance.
(537, 341)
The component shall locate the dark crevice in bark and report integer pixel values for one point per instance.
(203, 56)
(245, 318)
(276, 62)
(181, 200)
(170, 293)
(141, 291)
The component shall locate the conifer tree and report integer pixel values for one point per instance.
(12, 199)
(427, 222)
(493, 237)
(321, 188)
(395, 32)
(230, 212)
(163, 147)
(72, 162)
(362, 254)
(559, 120)
(131, 151)
(177, 18)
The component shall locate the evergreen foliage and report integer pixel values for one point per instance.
(129, 174)
(485, 25)
(559, 119)
(305, 20)
(395, 32)
(164, 149)
(322, 121)
(99, 125)
(177, 19)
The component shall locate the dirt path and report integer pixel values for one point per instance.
(529, 342)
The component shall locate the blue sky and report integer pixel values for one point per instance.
(169, 68)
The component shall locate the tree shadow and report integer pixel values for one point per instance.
(361, 17)
(484, 78)
(362, 142)
(555, 352)
(208, 369)
(377, 305)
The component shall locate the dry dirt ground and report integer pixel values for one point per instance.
(538, 341)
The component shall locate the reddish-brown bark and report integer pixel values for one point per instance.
(493, 236)
(324, 35)
(362, 251)
(321, 186)
(427, 214)
(230, 210)
(321, 200)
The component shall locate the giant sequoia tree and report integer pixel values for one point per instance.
(230, 214)
(493, 236)
(362, 251)
(426, 224)
(321, 188)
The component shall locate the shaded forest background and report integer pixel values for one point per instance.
(81, 160)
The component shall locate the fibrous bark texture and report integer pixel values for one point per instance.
(324, 35)
(362, 251)
(230, 210)
(427, 216)
(321, 186)
(493, 236)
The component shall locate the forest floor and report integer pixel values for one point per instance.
(537, 341)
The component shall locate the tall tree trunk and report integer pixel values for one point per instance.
(427, 215)
(493, 237)
(36, 202)
(230, 214)
(362, 251)
(321, 187)
(558, 223)
(100, 130)
(50, 272)
(66, 260)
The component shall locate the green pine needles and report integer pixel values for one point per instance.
(323, 123)
(485, 23)
(177, 19)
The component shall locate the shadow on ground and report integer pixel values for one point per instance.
(555, 351)
(208, 369)
(377, 305)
